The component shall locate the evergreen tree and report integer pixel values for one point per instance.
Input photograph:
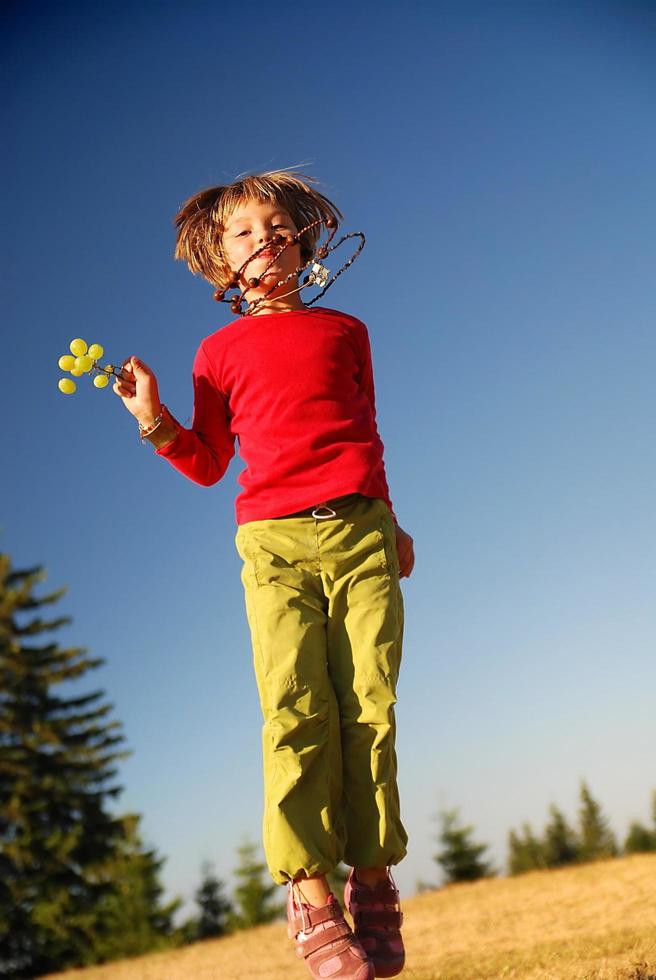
(525, 851)
(215, 909)
(62, 853)
(641, 839)
(253, 895)
(597, 840)
(461, 859)
(131, 919)
(422, 886)
(560, 844)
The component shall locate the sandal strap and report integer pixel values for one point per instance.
(339, 930)
(378, 918)
(312, 916)
(386, 896)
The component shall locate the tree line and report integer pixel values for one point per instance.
(77, 884)
(560, 843)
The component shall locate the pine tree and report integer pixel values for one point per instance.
(560, 843)
(252, 895)
(422, 886)
(60, 848)
(131, 919)
(597, 840)
(461, 859)
(215, 909)
(526, 851)
(641, 839)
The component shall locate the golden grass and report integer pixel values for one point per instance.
(594, 922)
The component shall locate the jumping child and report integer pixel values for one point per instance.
(322, 557)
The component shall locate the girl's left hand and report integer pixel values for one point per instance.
(405, 551)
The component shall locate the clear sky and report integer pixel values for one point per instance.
(500, 159)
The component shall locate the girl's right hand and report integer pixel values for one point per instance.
(138, 390)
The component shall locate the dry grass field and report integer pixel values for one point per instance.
(594, 922)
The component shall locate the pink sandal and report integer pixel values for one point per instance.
(378, 919)
(325, 940)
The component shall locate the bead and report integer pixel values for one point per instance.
(254, 282)
(330, 222)
(322, 252)
(219, 295)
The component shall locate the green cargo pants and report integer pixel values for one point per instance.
(325, 612)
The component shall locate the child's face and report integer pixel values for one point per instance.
(251, 225)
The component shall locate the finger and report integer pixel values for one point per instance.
(405, 556)
(407, 563)
(123, 392)
(139, 368)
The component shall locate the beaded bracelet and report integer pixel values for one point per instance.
(146, 430)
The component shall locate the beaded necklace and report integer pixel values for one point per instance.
(317, 276)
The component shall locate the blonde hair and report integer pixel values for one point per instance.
(202, 219)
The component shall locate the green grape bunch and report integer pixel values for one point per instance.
(84, 359)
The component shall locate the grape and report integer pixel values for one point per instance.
(78, 347)
(84, 363)
(66, 362)
(66, 386)
(77, 372)
(96, 352)
(101, 381)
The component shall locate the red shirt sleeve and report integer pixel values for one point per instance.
(203, 452)
(366, 380)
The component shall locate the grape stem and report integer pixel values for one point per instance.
(102, 370)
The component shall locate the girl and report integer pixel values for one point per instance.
(322, 557)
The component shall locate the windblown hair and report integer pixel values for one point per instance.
(201, 220)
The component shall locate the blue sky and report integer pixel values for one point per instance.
(500, 159)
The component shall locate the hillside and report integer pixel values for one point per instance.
(594, 922)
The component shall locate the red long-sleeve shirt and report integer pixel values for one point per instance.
(297, 390)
